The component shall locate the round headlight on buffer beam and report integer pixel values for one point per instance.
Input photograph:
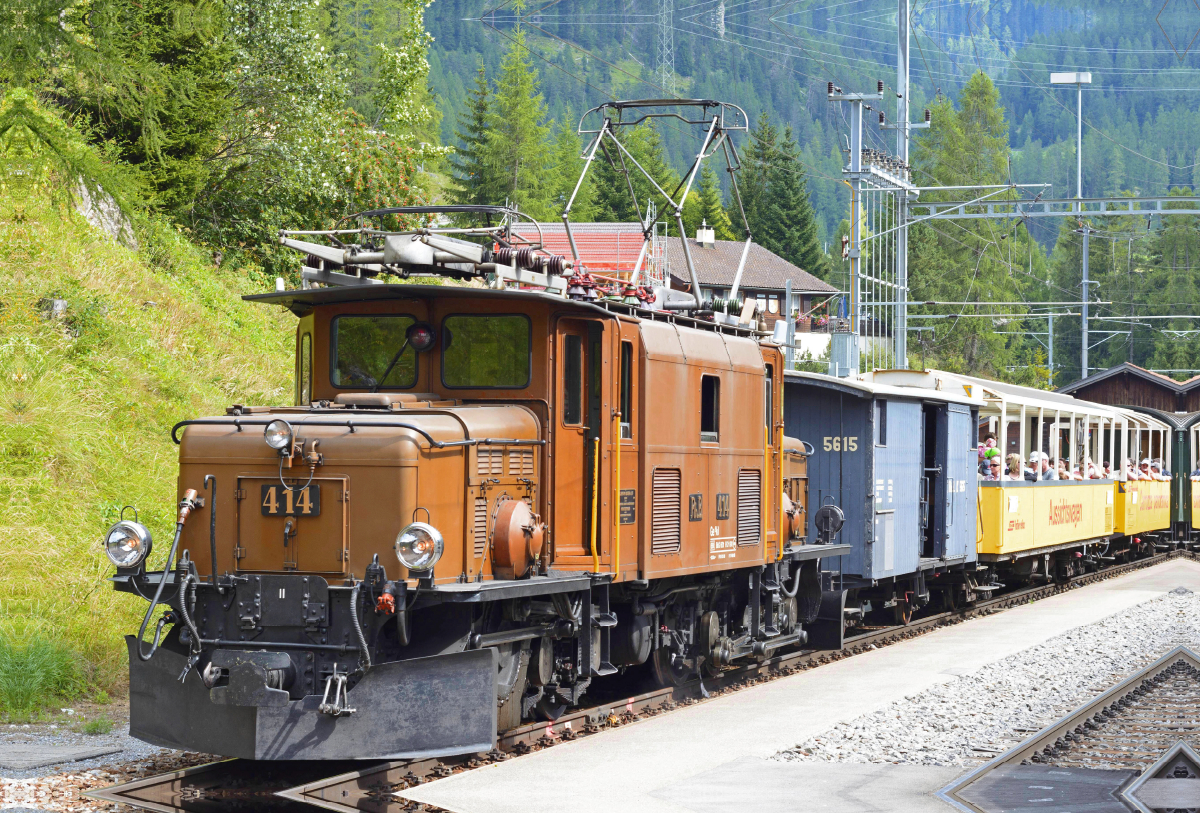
(278, 435)
(419, 546)
(127, 543)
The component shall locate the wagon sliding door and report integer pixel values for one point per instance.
(961, 483)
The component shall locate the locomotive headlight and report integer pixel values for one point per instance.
(278, 435)
(127, 543)
(419, 546)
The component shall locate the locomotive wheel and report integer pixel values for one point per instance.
(665, 673)
(904, 611)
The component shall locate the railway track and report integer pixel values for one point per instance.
(1099, 749)
(373, 787)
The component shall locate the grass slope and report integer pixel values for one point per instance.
(87, 399)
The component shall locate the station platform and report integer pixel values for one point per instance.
(714, 755)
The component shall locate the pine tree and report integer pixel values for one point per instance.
(518, 148)
(759, 156)
(789, 225)
(712, 210)
(613, 203)
(474, 182)
(968, 146)
(567, 164)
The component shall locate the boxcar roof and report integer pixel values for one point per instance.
(868, 389)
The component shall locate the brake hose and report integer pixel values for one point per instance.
(795, 584)
(189, 587)
(365, 660)
(186, 506)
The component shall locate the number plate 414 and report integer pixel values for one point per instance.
(278, 501)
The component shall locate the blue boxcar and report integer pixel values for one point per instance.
(900, 463)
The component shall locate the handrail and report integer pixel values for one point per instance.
(617, 500)
(349, 424)
(595, 498)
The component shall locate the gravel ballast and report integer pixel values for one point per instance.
(973, 717)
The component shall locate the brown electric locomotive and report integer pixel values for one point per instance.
(483, 502)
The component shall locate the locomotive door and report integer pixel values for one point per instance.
(576, 427)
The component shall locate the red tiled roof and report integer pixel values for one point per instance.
(612, 246)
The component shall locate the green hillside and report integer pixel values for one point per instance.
(147, 338)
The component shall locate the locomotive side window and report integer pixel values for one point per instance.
(710, 408)
(362, 347)
(304, 371)
(486, 350)
(572, 380)
(769, 403)
(881, 423)
(626, 390)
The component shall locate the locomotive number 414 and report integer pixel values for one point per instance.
(278, 501)
(840, 444)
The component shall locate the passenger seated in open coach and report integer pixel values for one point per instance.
(1131, 471)
(993, 469)
(1041, 462)
(1149, 471)
(987, 449)
(1015, 470)
(1029, 472)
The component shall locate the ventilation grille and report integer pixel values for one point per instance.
(749, 506)
(491, 462)
(665, 511)
(520, 463)
(479, 528)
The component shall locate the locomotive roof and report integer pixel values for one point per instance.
(302, 301)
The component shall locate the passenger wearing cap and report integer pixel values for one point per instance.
(1042, 463)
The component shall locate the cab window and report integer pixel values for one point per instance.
(486, 350)
(572, 380)
(304, 371)
(362, 348)
(710, 409)
(626, 390)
